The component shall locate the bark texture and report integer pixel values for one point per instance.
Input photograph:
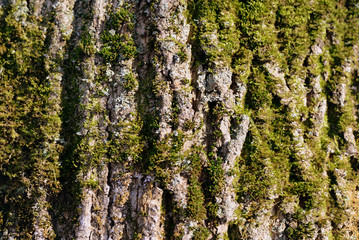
(179, 119)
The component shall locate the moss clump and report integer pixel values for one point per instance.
(182, 55)
(196, 204)
(116, 46)
(303, 230)
(130, 82)
(85, 46)
(215, 33)
(116, 42)
(120, 17)
(201, 233)
(126, 144)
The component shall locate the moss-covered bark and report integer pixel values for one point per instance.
(179, 119)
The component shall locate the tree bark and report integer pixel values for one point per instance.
(167, 119)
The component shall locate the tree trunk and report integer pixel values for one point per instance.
(179, 119)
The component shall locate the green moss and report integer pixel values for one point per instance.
(116, 43)
(196, 204)
(264, 162)
(201, 233)
(130, 82)
(209, 18)
(182, 55)
(242, 35)
(86, 45)
(116, 46)
(303, 230)
(29, 119)
(189, 125)
(92, 183)
(120, 17)
(126, 144)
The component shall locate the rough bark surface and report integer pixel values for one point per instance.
(179, 119)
